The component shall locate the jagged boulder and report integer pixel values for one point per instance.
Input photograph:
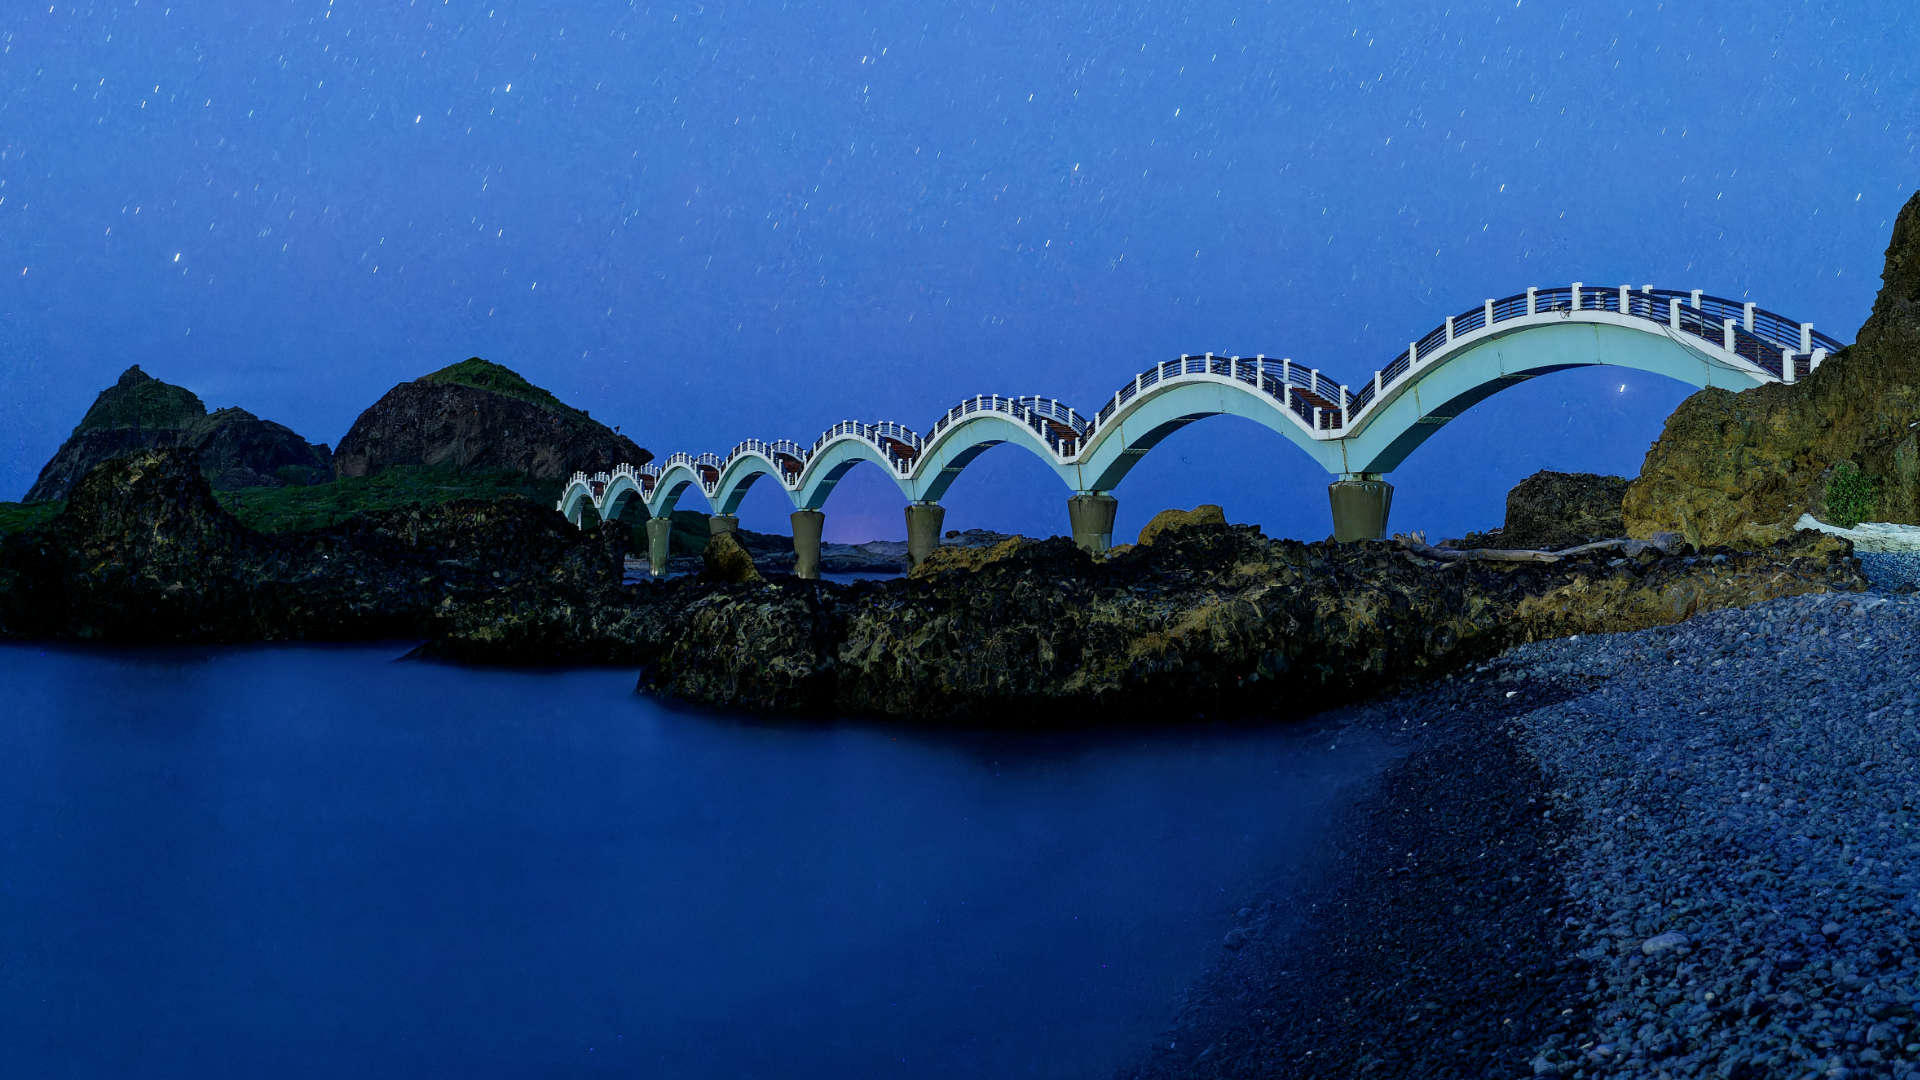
(725, 559)
(1553, 510)
(951, 559)
(1741, 468)
(1168, 520)
(235, 448)
(480, 415)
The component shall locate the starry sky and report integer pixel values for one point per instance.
(710, 221)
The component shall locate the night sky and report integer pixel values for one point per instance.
(704, 222)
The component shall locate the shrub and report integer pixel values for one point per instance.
(1852, 496)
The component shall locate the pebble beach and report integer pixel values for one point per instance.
(1692, 851)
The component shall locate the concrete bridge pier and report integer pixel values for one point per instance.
(1090, 515)
(806, 543)
(1360, 504)
(721, 523)
(659, 544)
(923, 530)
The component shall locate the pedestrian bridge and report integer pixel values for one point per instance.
(1357, 436)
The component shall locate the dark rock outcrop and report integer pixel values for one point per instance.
(1552, 510)
(1209, 618)
(139, 412)
(478, 415)
(142, 552)
(725, 559)
(1741, 468)
(1167, 520)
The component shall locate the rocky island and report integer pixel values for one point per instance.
(1659, 737)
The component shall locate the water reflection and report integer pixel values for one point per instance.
(304, 861)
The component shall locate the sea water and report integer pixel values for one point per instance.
(323, 862)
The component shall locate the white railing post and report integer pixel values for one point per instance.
(1747, 315)
(1726, 335)
(1286, 395)
(1786, 365)
(1449, 329)
(1260, 372)
(1489, 319)
(1806, 337)
(1576, 295)
(1344, 398)
(1533, 303)
(1673, 313)
(1696, 297)
(1136, 381)
(1376, 386)
(1286, 370)
(1625, 292)
(1413, 353)
(1316, 418)
(1818, 355)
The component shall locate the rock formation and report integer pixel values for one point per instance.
(139, 412)
(1741, 468)
(1553, 510)
(725, 559)
(479, 415)
(142, 552)
(1166, 520)
(1208, 618)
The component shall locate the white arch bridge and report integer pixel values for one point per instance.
(1357, 436)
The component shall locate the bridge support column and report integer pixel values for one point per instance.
(923, 530)
(1360, 505)
(721, 523)
(659, 544)
(806, 543)
(1090, 514)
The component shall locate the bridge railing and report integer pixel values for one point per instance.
(1770, 342)
(1777, 346)
(877, 435)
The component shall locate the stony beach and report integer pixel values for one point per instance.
(1688, 851)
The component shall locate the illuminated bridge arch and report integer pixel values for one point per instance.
(1355, 435)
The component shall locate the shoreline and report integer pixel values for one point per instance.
(1651, 881)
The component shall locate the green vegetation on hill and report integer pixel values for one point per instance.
(486, 375)
(17, 516)
(143, 402)
(292, 509)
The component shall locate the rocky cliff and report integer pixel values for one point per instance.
(142, 552)
(1741, 468)
(139, 412)
(479, 415)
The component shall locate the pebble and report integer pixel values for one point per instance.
(1742, 790)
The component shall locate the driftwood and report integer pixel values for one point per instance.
(1419, 546)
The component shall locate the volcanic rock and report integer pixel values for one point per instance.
(725, 559)
(1553, 510)
(1165, 520)
(1741, 468)
(479, 415)
(139, 412)
(143, 552)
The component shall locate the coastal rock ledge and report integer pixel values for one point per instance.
(1208, 618)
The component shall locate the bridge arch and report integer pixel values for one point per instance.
(1167, 406)
(621, 490)
(948, 453)
(832, 459)
(1480, 367)
(740, 474)
(671, 484)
